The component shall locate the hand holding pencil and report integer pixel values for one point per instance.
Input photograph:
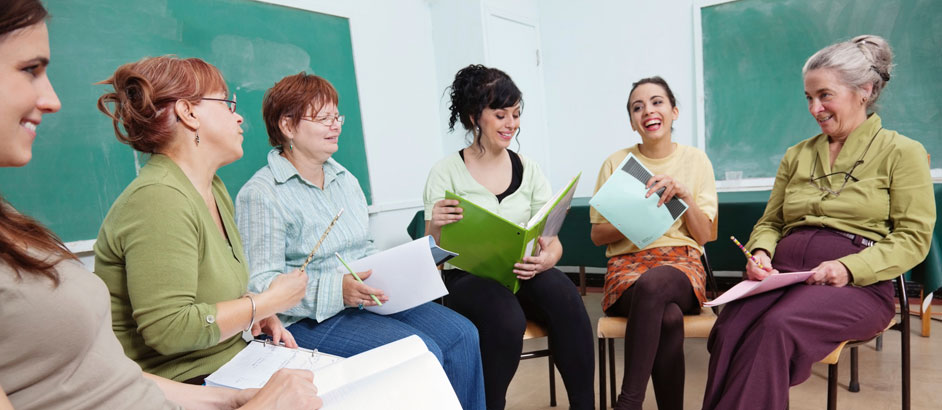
(761, 266)
(357, 293)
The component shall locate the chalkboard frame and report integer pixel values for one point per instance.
(801, 130)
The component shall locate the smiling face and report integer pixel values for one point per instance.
(25, 92)
(220, 128)
(838, 108)
(499, 126)
(650, 112)
(316, 136)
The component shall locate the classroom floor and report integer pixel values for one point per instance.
(879, 374)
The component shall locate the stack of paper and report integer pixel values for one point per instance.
(748, 288)
(408, 274)
(255, 364)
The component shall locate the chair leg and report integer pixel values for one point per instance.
(582, 280)
(904, 340)
(601, 374)
(611, 371)
(552, 379)
(832, 386)
(880, 343)
(854, 385)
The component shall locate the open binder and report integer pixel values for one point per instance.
(400, 375)
(489, 245)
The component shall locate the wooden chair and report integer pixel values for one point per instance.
(612, 327)
(535, 331)
(854, 386)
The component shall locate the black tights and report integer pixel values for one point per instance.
(654, 337)
(501, 318)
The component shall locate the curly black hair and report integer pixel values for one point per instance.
(477, 87)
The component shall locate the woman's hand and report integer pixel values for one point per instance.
(286, 389)
(671, 187)
(273, 327)
(530, 266)
(356, 293)
(754, 272)
(831, 273)
(286, 290)
(445, 212)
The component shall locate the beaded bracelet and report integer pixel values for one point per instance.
(251, 322)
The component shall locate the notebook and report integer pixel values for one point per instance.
(621, 201)
(489, 245)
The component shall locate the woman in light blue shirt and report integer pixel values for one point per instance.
(282, 211)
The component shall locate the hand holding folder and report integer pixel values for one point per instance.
(490, 246)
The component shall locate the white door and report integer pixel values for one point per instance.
(513, 47)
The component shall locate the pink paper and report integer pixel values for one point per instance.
(748, 288)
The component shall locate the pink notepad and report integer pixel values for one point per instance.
(748, 288)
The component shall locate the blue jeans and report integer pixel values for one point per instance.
(448, 335)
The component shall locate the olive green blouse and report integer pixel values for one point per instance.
(889, 199)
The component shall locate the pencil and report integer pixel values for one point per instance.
(310, 256)
(749, 254)
(357, 277)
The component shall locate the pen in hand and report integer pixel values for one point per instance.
(749, 254)
(357, 277)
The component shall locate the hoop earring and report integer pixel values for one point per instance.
(197, 139)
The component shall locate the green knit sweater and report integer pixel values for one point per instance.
(166, 266)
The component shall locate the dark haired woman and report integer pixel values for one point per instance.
(655, 286)
(59, 351)
(488, 105)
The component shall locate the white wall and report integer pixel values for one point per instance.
(407, 51)
(593, 51)
(393, 52)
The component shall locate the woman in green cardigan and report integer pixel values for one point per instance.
(169, 249)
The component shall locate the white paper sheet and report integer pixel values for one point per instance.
(255, 364)
(748, 288)
(406, 274)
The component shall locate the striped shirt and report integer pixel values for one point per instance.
(281, 216)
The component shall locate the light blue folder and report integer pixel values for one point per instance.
(621, 201)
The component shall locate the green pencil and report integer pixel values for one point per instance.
(357, 277)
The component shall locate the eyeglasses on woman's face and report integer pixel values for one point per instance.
(326, 119)
(229, 103)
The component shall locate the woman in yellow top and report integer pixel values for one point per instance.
(854, 205)
(655, 286)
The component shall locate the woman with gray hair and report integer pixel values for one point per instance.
(855, 206)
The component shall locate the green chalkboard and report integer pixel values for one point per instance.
(79, 168)
(753, 52)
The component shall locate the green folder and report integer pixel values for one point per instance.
(489, 245)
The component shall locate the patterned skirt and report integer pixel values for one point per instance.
(624, 270)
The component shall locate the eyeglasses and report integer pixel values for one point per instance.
(327, 120)
(848, 175)
(229, 103)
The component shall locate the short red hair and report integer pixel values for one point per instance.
(292, 97)
(144, 94)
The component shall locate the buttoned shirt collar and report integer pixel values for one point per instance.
(283, 170)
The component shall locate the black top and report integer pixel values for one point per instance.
(516, 176)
